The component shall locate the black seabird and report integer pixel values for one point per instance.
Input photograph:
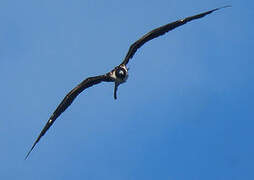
(119, 74)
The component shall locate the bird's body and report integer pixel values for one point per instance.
(118, 75)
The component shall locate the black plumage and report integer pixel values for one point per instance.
(119, 74)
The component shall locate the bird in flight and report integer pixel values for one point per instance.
(119, 74)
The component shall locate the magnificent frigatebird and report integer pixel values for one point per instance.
(119, 74)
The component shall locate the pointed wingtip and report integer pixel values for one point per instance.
(37, 140)
(223, 7)
(216, 9)
(27, 155)
(30, 150)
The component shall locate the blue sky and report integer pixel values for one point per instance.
(186, 111)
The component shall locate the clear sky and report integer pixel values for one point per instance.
(186, 111)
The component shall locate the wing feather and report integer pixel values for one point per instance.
(161, 31)
(66, 102)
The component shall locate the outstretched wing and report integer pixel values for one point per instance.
(66, 102)
(161, 31)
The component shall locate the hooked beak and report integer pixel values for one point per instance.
(115, 90)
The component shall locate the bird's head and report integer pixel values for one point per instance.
(119, 74)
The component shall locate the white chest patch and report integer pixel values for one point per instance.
(119, 80)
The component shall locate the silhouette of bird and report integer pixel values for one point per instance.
(119, 74)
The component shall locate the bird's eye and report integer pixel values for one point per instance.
(120, 73)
